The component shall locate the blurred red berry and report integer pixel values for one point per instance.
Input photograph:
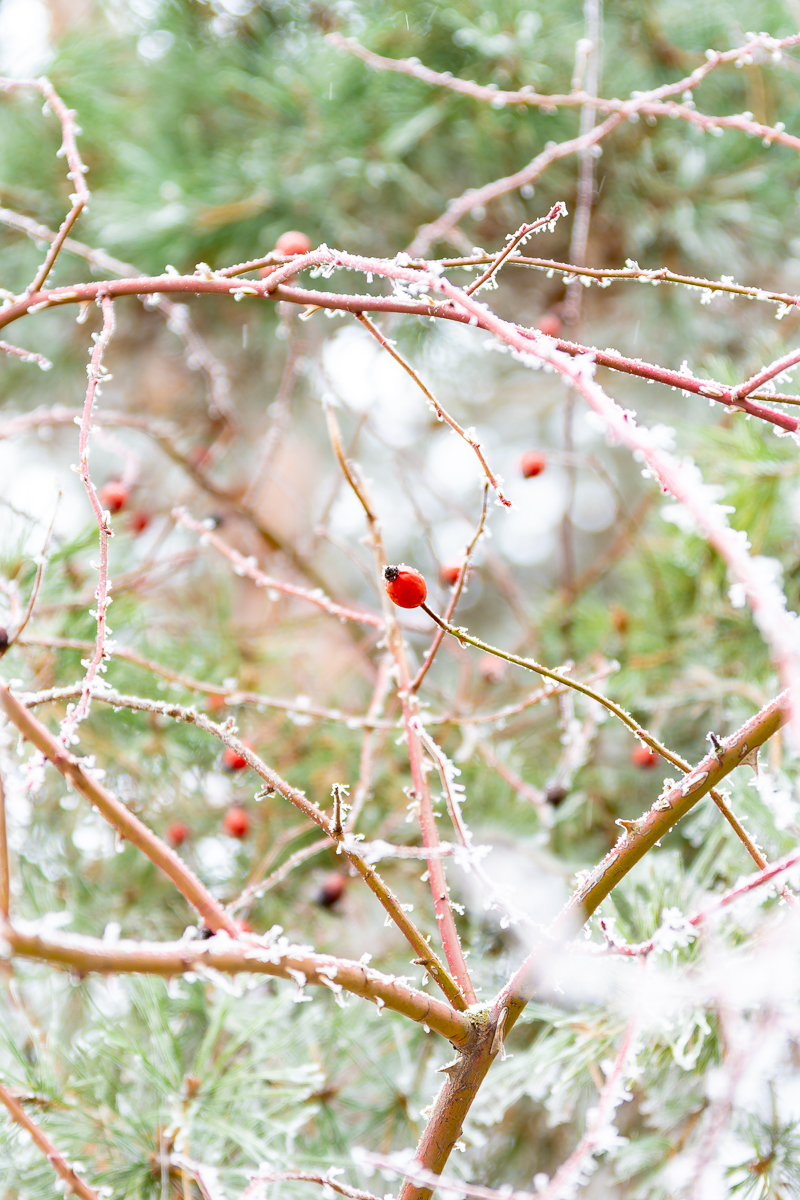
(532, 464)
(620, 619)
(113, 496)
(550, 324)
(331, 889)
(232, 760)
(405, 586)
(139, 521)
(215, 703)
(492, 669)
(177, 833)
(236, 823)
(293, 242)
(449, 573)
(644, 757)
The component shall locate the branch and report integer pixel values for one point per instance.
(652, 103)
(25, 355)
(455, 595)
(57, 1161)
(165, 858)
(176, 315)
(441, 413)
(249, 954)
(454, 1101)
(96, 373)
(126, 824)
(346, 302)
(326, 1181)
(247, 566)
(77, 169)
(457, 985)
(493, 95)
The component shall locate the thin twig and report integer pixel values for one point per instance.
(516, 239)
(5, 876)
(441, 413)
(455, 595)
(40, 1139)
(464, 991)
(117, 814)
(96, 373)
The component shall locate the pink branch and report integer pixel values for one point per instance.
(493, 95)
(761, 377)
(245, 566)
(440, 892)
(25, 355)
(40, 1139)
(77, 169)
(96, 373)
(612, 1095)
(651, 103)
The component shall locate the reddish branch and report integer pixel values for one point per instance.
(71, 1179)
(96, 373)
(117, 814)
(654, 103)
(77, 170)
(88, 292)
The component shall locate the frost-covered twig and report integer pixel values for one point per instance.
(457, 985)
(76, 172)
(117, 814)
(175, 314)
(71, 1180)
(25, 355)
(97, 373)
(653, 103)
(600, 1133)
(466, 435)
(455, 595)
(327, 1181)
(248, 567)
(270, 954)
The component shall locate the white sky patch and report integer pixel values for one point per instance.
(24, 38)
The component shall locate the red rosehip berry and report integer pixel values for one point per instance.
(177, 833)
(139, 521)
(532, 464)
(449, 573)
(215, 703)
(550, 324)
(644, 757)
(236, 823)
(405, 587)
(232, 760)
(293, 242)
(113, 496)
(331, 889)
